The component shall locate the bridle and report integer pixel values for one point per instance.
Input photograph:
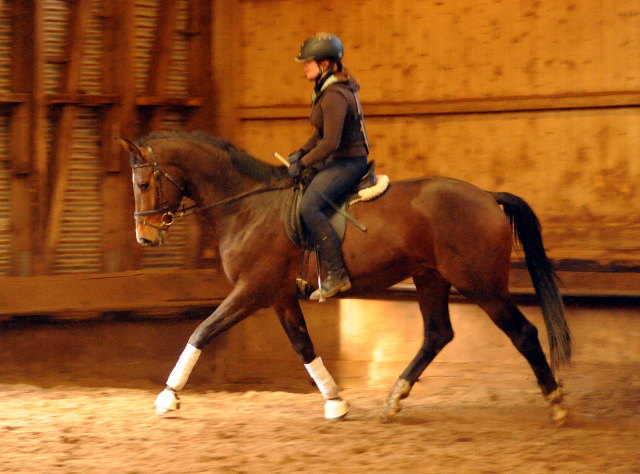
(169, 217)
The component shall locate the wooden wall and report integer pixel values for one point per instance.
(536, 98)
(73, 76)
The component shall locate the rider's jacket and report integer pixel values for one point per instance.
(338, 126)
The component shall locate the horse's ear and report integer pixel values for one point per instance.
(130, 147)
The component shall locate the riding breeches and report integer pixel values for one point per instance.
(333, 182)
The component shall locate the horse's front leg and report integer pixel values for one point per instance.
(292, 320)
(238, 305)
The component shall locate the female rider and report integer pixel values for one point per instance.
(337, 148)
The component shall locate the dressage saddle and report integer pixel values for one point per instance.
(293, 221)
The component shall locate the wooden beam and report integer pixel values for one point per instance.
(119, 248)
(610, 99)
(157, 101)
(26, 26)
(14, 97)
(123, 291)
(83, 100)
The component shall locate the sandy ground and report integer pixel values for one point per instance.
(466, 428)
(462, 417)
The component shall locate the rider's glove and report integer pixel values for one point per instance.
(295, 169)
(295, 157)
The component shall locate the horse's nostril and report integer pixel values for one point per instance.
(144, 242)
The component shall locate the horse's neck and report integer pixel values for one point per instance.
(210, 186)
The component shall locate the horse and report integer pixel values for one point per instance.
(444, 233)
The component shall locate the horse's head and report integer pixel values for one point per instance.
(157, 194)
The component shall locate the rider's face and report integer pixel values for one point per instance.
(311, 69)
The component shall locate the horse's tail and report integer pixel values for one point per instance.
(526, 229)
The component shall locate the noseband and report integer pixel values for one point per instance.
(168, 217)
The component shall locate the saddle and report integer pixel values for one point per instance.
(367, 188)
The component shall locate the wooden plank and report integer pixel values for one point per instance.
(38, 136)
(22, 18)
(84, 100)
(20, 140)
(161, 101)
(613, 99)
(123, 291)
(24, 24)
(14, 97)
(578, 284)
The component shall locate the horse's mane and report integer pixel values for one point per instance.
(241, 160)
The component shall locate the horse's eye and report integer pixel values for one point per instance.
(143, 186)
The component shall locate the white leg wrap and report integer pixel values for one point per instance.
(183, 368)
(323, 378)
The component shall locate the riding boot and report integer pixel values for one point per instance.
(337, 279)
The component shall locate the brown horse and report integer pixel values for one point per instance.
(441, 232)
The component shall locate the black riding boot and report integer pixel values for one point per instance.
(336, 279)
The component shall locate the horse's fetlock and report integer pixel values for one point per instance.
(555, 397)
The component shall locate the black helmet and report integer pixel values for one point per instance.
(321, 46)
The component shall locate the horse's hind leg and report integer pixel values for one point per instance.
(292, 320)
(433, 298)
(524, 336)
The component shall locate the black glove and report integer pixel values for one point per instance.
(295, 169)
(295, 157)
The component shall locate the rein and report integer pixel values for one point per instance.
(169, 217)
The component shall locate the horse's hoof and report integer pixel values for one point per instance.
(167, 402)
(400, 390)
(162, 411)
(558, 415)
(385, 417)
(336, 410)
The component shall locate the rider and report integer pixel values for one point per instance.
(337, 149)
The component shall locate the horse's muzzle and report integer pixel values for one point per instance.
(148, 243)
(149, 237)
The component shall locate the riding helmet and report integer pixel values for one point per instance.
(321, 46)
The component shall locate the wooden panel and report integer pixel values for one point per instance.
(55, 32)
(578, 169)
(91, 70)
(413, 51)
(540, 99)
(79, 247)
